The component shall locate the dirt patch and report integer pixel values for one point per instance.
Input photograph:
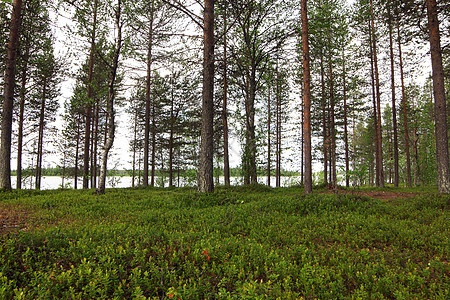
(13, 219)
(382, 195)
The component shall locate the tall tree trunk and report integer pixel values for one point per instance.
(134, 148)
(226, 156)
(379, 144)
(21, 118)
(405, 121)
(88, 109)
(375, 113)
(332, 130)
(394, 109)
(205, 170)
(324, 123)
(95, 152)
(40, 139)
(77, 149)
(440, 110)
(171, 138)
(306, 98)
(8, 97)
(278, 128)
(147, 97)
(344, 79)
(269, 120)
(152, 182)
(110, 102)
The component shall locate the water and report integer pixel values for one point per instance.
(56, 182)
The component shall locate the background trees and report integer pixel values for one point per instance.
(362, 86)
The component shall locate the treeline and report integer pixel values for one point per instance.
(347, 93)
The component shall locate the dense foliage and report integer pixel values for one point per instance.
(238, 243)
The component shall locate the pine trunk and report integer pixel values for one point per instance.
(306, 98)
(205, 171)
(394, 109)
(324, 123)
(347, 163)
(332, 130)
(226, 156)
(405, 120)
(21, 118)
(269, 120)
(443, 175)
(88, 109)
(40, 139)
(8, 93)
(379, 144)
(147, 99)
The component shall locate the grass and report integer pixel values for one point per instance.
(238, 243)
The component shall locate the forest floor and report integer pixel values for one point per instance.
(250, 242)
(376, 194)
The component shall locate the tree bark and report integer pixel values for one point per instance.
(205, 171)
(324, 123)
(375, 113)
(21, 118)
(110, 102)
(443, 175)
(405, 122)
(226, 156)
(347, 163)
(171, 129)
(147, 98)
(40, 139)
(394, 109)
(269, 120)
(88, 109)
(8, 100)
(278, 138)
(306, 98)
(332, 130)
(379, 144)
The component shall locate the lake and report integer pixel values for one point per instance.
(56, 182)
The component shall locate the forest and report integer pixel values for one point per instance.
(356, 90)
(348, 97)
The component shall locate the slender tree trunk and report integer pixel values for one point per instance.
(405, 121)
(205, 171)
(134, 148)
(147, 98)
(8, 96)
(278, 139)
(302, 159)
(40, 139)
(269, 120)
(379, 144)
(226, 156)
(171, 138)
(95, 152)
(332, 130)
(110, 103)
(152, 182)
(306, 98)
(88, 109)
(21, 118)
(394, 109)
(77, 149)
(324, 123)
(440, 110)
(347, 163)
(375, 113)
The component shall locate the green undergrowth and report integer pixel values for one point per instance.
(237, 243)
